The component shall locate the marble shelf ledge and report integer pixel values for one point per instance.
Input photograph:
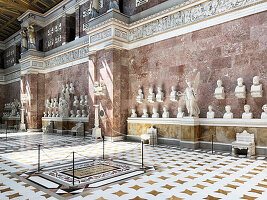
(187, 121)
(10, 118)
(69, 119)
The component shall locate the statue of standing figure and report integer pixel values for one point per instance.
(63, 107)
(191, 97)
(24, 41)
(31, 31)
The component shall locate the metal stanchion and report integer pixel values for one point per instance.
(73, 168)
(142, 153)
(103, 147)
(212, 143)
(39, 157)
(6, 130)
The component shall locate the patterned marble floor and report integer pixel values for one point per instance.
(179, 174)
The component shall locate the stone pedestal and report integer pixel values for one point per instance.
(190, 133)
(96, 130)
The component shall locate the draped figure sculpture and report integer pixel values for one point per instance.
(24, 42)
(31, 36)
(191, 97)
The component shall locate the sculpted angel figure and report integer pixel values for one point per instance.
(191, 97)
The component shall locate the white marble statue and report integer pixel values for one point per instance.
(45, 114)
(63, 89)
(76, 102)
(210, 113)
(133, 115)
(71, 88)
(49, 114)
(51, 103)
(72, 113)
(140, 97)
(47, 104)
(173, 95)
(155, 113)
(256, 88)
(264, 113)
(57, 114)
(145, 114)
(228, 114)
(180, 112)
(55, 103)
(165, 113)
(84, 113)
(151, 95)
(53, 114)
(63, 107)
(86, 100)
(95, 8)
(78, 113)
(247, 114)
(191, 101)
(240, 90)
(81, 101)
(219, 91)
(160, 95)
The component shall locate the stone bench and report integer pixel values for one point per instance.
(244, 140)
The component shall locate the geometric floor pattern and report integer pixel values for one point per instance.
(179, 174)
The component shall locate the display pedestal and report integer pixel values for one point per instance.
(22, 127)
(97, 133)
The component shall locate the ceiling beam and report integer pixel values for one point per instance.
(9, 22)
(9, 12)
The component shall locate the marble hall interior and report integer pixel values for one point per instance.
(133, 99)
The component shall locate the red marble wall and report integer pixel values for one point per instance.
(112, 68)
(227, 51)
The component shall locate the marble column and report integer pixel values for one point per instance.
(33, 85)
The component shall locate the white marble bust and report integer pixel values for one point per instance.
(180, 112)
(140, 96)
(173, 95)
(145, 114)
(264, 113)
(57, 114)
(55, 103)
(72, 113)
(256, 88)
(45, 114)
(151, 95)
(210, 113)
(247, 114)
(63, 89)
(47, 104)
(53, 114)
(160, 95)
(240, 90)
(76, 101)
(85, 100)
(165, 113)
(133, 113)
(155, 113)
(228, 114)
(81, 100)
(78, 113)
(84, 113)
(71, 88)
(49, 114)
(219, 91)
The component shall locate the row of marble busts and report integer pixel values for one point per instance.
(82, 102)
(159, 97)
(79, 113)
(240, 90)
(155, 113)
(68, 88)
(229, 115)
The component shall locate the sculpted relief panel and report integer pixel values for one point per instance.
(191, 15)
(67, 57)
(99, 36)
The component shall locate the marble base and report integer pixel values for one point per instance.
(22, 127)
(97, 133)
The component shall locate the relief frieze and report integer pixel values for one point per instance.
(188, 16)
(101, 35)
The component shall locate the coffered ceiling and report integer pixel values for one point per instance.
(10, 10)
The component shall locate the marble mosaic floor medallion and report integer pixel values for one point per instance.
(88, 175)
